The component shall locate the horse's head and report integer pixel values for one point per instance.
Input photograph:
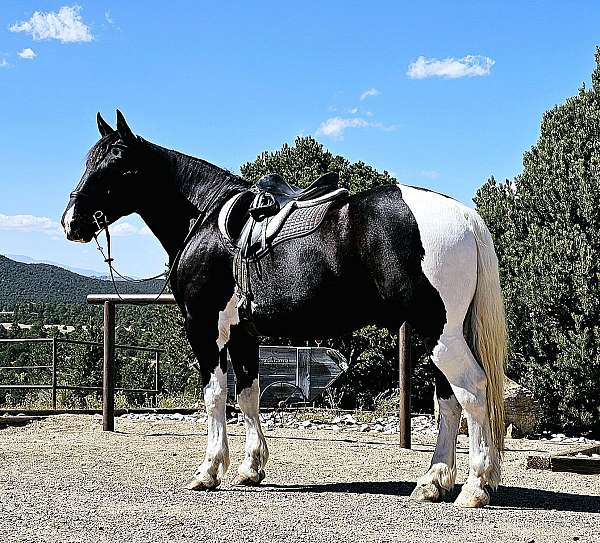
(110, 185)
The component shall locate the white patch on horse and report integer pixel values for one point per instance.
(451, 265)
(68, 219)
(256, 452)
(216, 461)
(227, 318)
(442, 472)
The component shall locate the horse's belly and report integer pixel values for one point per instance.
(311, 290)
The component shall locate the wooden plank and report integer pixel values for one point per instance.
(163, 299)
(17, 421)
(586, 466)
(567, 460)
(303, 371)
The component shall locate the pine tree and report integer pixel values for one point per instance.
(546, 228)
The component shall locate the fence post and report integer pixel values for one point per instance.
(54, 370)
(108, 377)
(156, 376)
(404, 375)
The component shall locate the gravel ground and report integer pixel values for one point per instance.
(64, 480)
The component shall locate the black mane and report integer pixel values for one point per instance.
(196, 178)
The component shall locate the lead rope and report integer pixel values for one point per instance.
(102, 224)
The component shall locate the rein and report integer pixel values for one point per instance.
(103, 226)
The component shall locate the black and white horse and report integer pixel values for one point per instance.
(385, 256)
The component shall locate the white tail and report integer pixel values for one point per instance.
(487, 327)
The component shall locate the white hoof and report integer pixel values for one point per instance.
(428, 492)
(203, 482)
(248, 477)
(472, 497)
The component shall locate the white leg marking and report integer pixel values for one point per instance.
(251, 471)
(450, 265)
(216, 461)
(227, 318)
(468, 381)
(440, 477)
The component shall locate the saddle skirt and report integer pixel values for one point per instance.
(284, 217)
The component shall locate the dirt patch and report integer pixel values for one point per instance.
(63, 479)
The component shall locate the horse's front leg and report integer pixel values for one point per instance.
(243, 350)
(213, 366)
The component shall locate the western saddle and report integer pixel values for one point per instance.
(273, 211)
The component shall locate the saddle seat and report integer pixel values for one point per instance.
(283, 191)
(253, 222)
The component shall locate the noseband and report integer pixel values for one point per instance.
(78, 194)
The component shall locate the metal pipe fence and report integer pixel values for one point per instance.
(54, 385)
(109, 302)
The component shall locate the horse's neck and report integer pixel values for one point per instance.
(184, 188)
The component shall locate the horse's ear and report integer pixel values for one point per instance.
(123, 128)
(103, 127)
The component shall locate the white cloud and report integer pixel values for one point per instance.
(28, 223)
(65, 25)
(429, 174)
(369, 93)
(450, 68)
(108, 17)
(335, 127)
(4, 63)
(123, 229)
(27, 53)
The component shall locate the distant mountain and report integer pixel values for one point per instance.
(81, 271)
(21, 282)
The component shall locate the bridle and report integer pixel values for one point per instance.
(102, 226)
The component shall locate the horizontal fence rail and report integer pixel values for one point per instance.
(54, 386)
(109, 301)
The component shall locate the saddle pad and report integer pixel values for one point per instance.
(302, 221)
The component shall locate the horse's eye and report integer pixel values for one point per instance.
(116, 151)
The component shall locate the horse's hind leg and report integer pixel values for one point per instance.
(243, 349)
(438, 482)
(469, 383)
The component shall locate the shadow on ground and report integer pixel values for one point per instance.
(508, 497)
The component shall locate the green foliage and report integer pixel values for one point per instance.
(178, 372)
(22, 283)
(307, 159)
(546, 228)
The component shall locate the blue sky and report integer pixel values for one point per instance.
(227, 80)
